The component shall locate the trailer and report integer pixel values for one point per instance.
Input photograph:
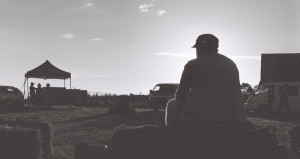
(283, 67)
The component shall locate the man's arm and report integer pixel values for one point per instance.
(240, 113)
(185, 84)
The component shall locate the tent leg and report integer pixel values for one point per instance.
(64, 83)
(24, 85)
(70, 82)
(27, 89)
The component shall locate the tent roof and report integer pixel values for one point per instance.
(47, 71)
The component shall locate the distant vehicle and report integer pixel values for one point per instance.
(267, 97)
(11, 97)
(277, 70)
(161, 94)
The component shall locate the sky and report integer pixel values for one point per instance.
(128, 46)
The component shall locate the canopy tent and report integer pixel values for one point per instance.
(47, 71)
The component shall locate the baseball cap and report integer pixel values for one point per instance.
(207, 41)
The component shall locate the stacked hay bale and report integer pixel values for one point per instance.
(21, 127)
(88, 151)
(19, 143)
(145, 142)
(213, 141)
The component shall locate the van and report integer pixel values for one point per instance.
(267, 97)
(161, 94)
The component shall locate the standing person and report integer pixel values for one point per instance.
(39, 94)
(32, 92)
(209, 89)
(47, 94)
(284, 103)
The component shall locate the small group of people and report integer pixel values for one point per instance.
(37, 94)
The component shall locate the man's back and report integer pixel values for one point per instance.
(213, 81)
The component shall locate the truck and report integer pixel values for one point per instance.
(279, 73)
(161, 94)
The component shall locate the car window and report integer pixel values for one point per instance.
(11, 91)
(291, 90)
(156, 88)
(262, 90)
(166, 89)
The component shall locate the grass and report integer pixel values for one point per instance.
(73, 125)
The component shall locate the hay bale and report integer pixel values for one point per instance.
(86, 151)
(43, 127)
(294, 134)
(207, 141)
(19, 143)
(142, 142)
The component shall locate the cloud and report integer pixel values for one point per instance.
(161, 12)
(245, 57)
(144, 8)
(89, 4)
(172, 54)
(97, 39)
(67, 36)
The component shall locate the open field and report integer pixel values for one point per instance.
(72, 125)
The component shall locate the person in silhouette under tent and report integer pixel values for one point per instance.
(39, 95)
(32, 92)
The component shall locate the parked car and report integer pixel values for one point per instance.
(267, 97)
(11, 97)
(161, 94)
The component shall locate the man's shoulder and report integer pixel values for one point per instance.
(192, 61)
(224, 57)
(217, 57)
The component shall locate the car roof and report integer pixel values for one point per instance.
(8, 87)
(173, 84)
(5, 86)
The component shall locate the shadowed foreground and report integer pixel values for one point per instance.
(73, 125)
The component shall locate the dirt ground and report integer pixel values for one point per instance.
(72, 125)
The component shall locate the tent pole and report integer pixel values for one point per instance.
(27, 88)
(70, 82)
(24, 85)
(64, 82)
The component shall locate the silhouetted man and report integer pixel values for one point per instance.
(39, 94)
(47, 94)
(209, 90)
(32, 92)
